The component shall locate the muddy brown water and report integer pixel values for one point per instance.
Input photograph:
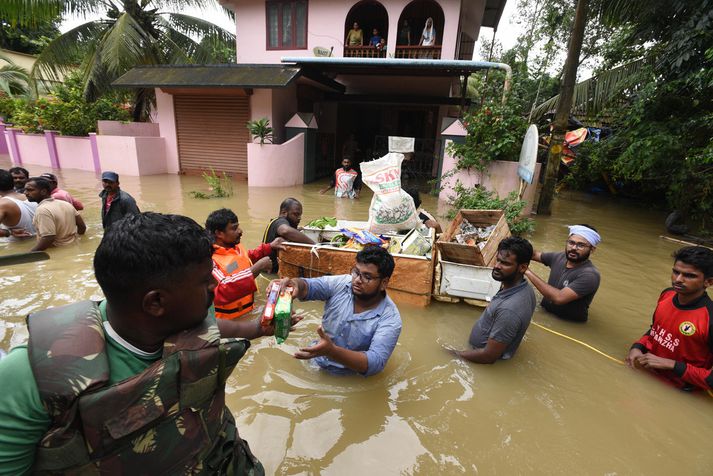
(556, 408)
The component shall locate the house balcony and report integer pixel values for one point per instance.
(418, 52)
(363, 52)
(404, 52)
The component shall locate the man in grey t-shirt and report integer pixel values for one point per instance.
(573, 277)
(499, 331)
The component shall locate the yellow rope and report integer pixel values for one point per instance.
(618, 361)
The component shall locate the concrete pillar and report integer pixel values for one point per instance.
(305, 123)
(3, 141)
(95, 152)
(52, 148)
(451, 129)
(13, 148)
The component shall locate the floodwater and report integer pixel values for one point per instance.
(556, 408)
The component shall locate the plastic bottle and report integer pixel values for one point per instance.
(283, 315)
(269, 312)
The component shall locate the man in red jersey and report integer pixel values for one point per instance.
(679, 345)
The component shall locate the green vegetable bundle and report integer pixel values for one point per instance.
(322, 223)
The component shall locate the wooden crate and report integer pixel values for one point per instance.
(473, 255)
(411, 282)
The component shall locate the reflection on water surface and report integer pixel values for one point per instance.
(557, 408)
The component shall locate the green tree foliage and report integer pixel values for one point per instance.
(495, 132)
(663, 141)
(14, 80)
(130, 33)
(65, 110)
(221, 53)
(31, 38)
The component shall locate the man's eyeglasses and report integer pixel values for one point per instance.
(577, 245)
(365, 278)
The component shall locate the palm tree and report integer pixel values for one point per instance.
(595, 94)
(14, 80)
(129, 33)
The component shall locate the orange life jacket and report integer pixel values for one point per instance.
(232, 261)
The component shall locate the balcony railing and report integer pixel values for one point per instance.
(418, 52)
(363, 52)
(408, 52)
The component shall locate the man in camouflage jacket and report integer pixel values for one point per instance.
(134, 384)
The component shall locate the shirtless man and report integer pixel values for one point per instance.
(16, 213)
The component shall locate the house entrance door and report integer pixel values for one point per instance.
(372, 124)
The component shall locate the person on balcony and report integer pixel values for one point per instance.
(404, 37)
(375, 38)
(355, 36)
(381, 48)
(428, 37)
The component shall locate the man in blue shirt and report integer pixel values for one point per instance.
(361, 324)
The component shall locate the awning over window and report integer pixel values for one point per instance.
(213, 76)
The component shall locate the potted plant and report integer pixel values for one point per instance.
(261, 129)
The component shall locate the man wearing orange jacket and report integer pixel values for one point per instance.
(234, 267)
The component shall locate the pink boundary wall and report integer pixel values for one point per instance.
(127, 155)
(501, 176)
(136, 129)
(132, 155)
(74, 152)
(33, 149)
(277, 165)
(166, 121)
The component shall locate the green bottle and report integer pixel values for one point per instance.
(283, 315)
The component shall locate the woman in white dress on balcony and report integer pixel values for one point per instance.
(428, 37)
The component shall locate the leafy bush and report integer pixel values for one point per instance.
(261, 129)
(7, 107)
(65, 110)
(495, 132)
(220, 186)
(478, 198)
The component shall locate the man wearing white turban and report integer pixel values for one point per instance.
(573, 277)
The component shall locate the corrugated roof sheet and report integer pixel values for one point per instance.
(493, 12)
(216, 76)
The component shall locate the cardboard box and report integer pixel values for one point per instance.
(469, 254)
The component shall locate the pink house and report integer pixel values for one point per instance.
(321, 85)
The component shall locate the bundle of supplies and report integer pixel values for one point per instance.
(391, 208)
(473, 235)
(283, 315)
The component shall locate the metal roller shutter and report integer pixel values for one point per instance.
(212, 132)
